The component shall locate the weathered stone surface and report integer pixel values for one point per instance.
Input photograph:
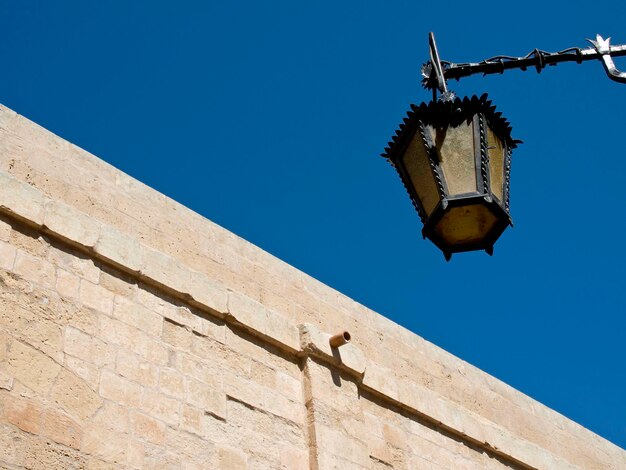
(61, 428)
(105, 444)
(206, 291)
(5, 231)
(138, 316)
(21, 199)
(119, 248)
(74, 396)
(119, 390)
(23, 413)
(164, 269)
(32, 368)
(134, 333)
(96, 297)
(255, 316)
(7, 255)
(147, 428)
(71, 224)
(68, 284)
(34, 269)
(231, 459)
(160, 406)
(206, 398)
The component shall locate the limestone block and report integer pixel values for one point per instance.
(380, 450)
(294, 458)
(147, 428)
(112, 416)
(132, 367)
(21, 199)
(155, 352)
(263, 374)
(191, 419)
(208, 292)
(288, 386)
(86, 371)
(231, 459)
(315, 341)
(165, 408)
(34, 269)
(43, 335)
(23, 413)
(212, 328)
(61, 428)
(7, 256)
(118, 283)
(381, 380)
(244, 390)
(4, 338)
(208, 372)
(5, 231)
(334, 442)
(6, 379)
(68, 284)
(182, 315)
(32, 452)
(171, 382)
(114, 332)
(283, 407)
(395, 436)
(119, 248)
(105, 444)
(96, 297)
(6, 117)
(29, 240)
(70, 223)
(138, 316)
(352, 357)
(259, 318)
(176, 335)
(73, 395)
(136, 453)
(119, 390)
(85, 347)
(205, 397)
(164, 269)
(75, 263)
(31, 367)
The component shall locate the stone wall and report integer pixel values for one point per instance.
(136, 334)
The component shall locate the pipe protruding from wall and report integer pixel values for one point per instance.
(339, 339)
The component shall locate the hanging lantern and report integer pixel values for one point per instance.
(454, 158)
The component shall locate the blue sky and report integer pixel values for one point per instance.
(268, 118)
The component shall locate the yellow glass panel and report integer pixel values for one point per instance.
(416, 162)
(455, 146)
(468, 224)
(496, 164)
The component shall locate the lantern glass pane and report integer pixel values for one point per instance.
(466, 224)
(417, 165)
(457, 157)
(496, 164)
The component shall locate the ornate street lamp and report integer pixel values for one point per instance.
(454, 155)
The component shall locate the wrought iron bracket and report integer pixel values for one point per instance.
(435, 72)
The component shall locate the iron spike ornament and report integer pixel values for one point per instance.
(453, 155)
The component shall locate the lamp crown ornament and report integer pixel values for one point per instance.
(453, 155)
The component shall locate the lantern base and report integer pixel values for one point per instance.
(467, 223)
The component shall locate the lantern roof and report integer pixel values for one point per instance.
(448, 113)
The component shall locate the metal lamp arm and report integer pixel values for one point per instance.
(601, 50)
